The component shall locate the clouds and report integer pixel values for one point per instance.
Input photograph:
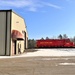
(30, 5)
(16, 3)
(52, 5)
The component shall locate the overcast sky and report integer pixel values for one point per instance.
(45, 17)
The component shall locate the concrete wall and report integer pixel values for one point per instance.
(18, 24)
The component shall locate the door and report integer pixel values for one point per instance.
(14, 47)
(19, 48)
(25, 40)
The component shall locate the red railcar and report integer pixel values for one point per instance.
(54, 43)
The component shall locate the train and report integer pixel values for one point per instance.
(54, 43)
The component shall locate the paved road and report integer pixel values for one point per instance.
(37, 66)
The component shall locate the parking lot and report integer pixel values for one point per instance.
(38, 66)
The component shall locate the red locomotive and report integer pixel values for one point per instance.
(54, 43)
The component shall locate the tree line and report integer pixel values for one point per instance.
(32, 42)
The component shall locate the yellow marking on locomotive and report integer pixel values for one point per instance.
(67, 43)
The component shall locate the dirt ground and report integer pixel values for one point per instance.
(37, 66)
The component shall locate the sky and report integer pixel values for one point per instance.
(44, 18)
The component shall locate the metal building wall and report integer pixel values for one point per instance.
(5, 28)
(2, 32)
(8, 36)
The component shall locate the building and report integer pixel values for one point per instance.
(14, 36)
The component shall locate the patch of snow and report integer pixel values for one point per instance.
(66, 63)
(46, 52)
(55, 58)
(6, 57)
(51, 52)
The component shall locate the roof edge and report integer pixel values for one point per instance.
(5, 10)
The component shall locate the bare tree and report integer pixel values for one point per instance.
(47, 38)
(60, 36)
(42, 38)
(74, 39)
(65, 36)
(31, 43)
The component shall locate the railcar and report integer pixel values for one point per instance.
(54, 43)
